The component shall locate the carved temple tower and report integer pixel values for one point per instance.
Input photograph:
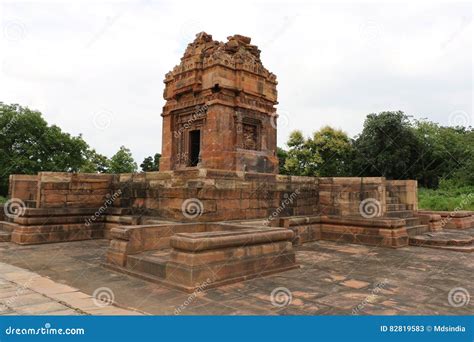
(220, 109)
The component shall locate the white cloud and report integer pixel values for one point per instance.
(335, 62)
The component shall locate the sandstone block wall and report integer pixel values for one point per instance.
(76, 190)
(214, 195)
(405, 190)
(24, 187)
(343, 195)
(218, 195)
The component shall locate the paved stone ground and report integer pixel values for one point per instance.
(335, 278)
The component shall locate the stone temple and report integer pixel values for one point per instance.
(217, 212)
(220, 109)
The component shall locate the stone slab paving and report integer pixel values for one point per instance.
(334, 279)
(23, 292)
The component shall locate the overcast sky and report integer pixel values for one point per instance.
(97, 67)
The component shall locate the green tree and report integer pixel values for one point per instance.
(28, 145)
(302, 160)
(445, 152)
(335, 150)
(122, 162)
(387, 146)
(282, 155)
(151, 163)
(95, 162)
(327, 153)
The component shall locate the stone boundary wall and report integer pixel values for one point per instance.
(217, 195)
(24, 187)
(405, 190)
(76, 190)
(343, 195)
(214, 195)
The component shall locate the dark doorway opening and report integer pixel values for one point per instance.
(194, 147)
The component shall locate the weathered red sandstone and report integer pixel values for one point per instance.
(219, 154)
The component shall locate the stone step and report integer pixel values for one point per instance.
(417, 230)
(30, 203)
(153, 264)
(400, 213)
(5, 236)
(412, 221)
(465, 249)
(396, 207)
(443, 238)
(393, 200)
(7, 226)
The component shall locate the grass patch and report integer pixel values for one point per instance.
(447, 197)
(2, 199)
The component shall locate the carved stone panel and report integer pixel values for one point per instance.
(250, 137)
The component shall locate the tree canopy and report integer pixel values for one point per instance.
(29, 145)
(151, 163)
(122, 162)
(390, 145)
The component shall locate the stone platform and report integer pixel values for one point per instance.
(185, 256)
(334, 279)
(219, 226)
